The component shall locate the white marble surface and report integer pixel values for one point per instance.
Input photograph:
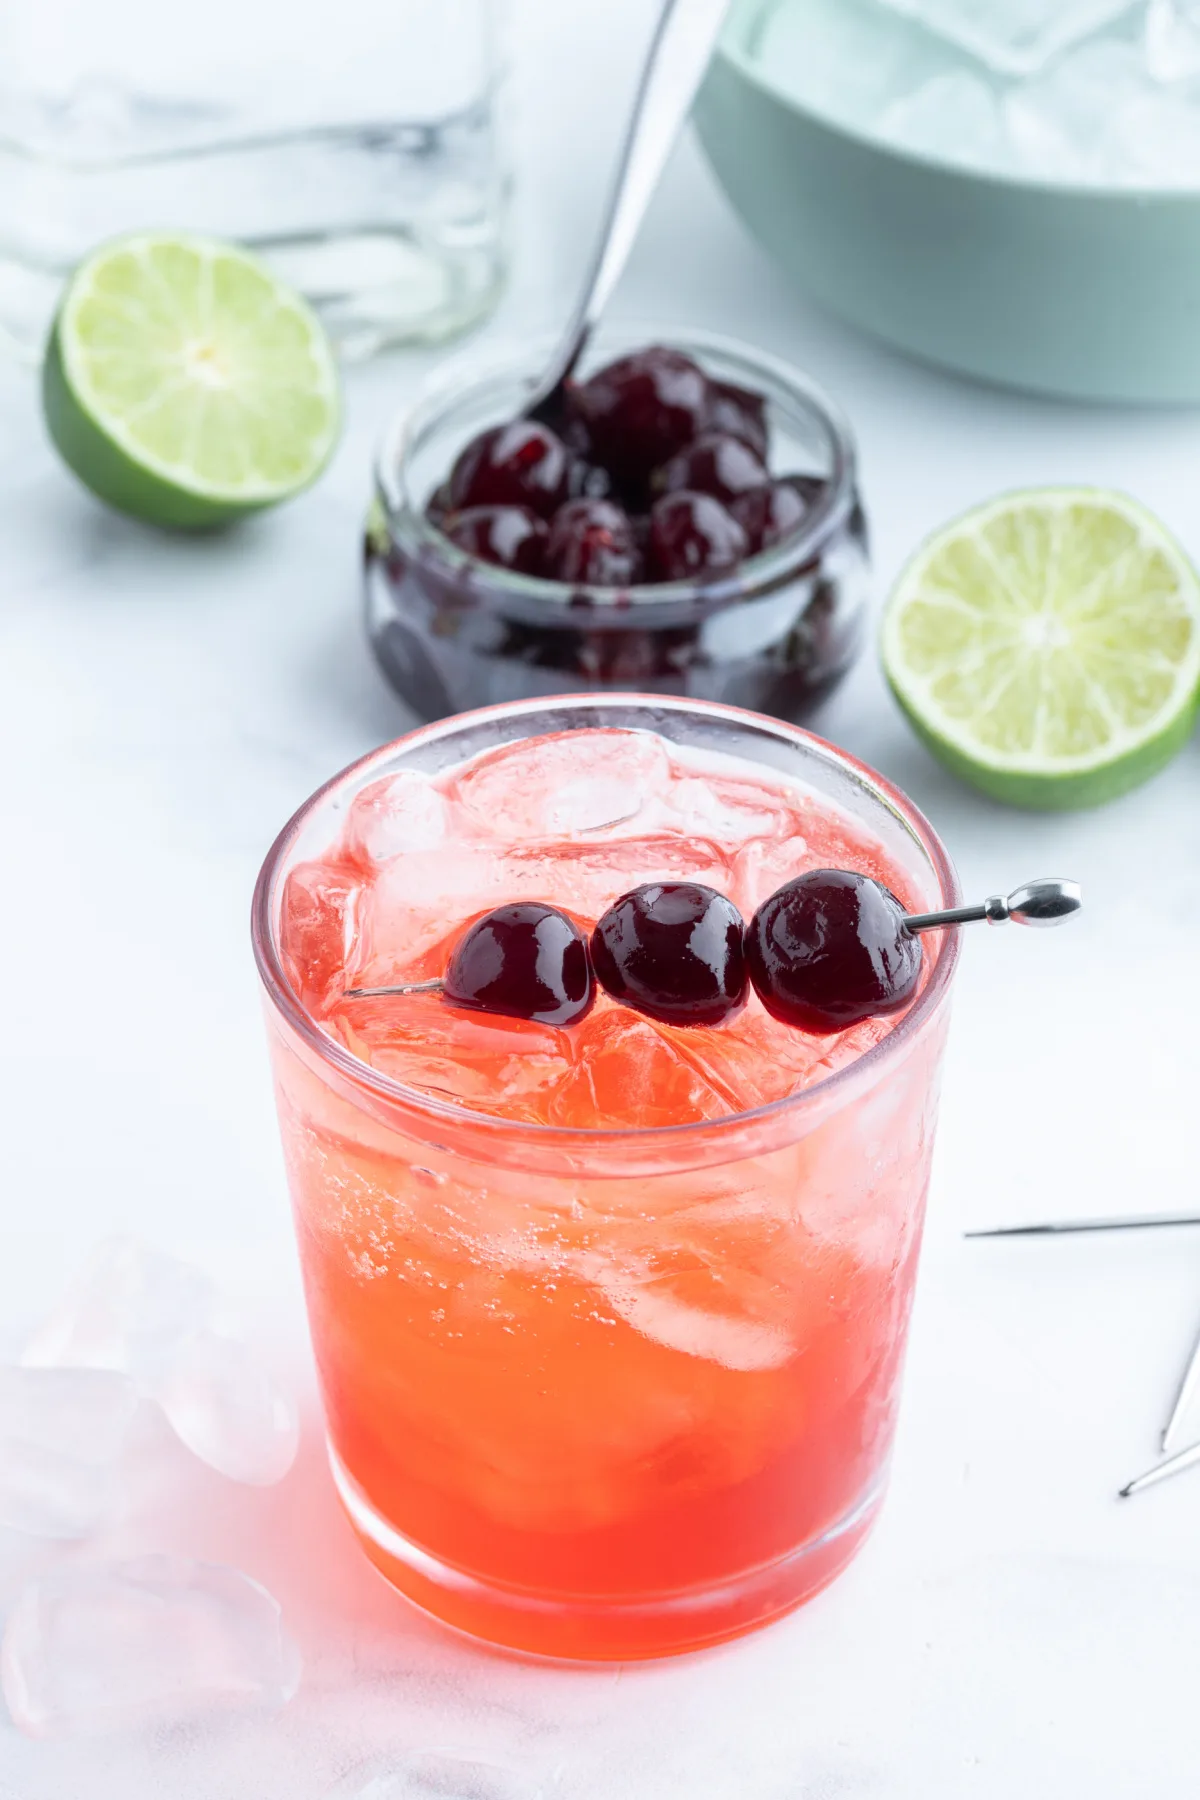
(1011, 1629)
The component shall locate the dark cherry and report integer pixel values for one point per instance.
(522, 464)
(592, 544)
(527, 961)
(649, 472)
(769, 514)
(510, 536)
(641, 409)
(716, 464)
(829, 949)
(673, 950)
(693, 534)
(739, 412)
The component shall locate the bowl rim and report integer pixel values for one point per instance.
(406, 524)
(731, 49)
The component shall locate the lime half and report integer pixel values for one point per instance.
(185, 384)
(1047, 646)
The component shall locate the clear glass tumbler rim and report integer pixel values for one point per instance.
(707, 1135)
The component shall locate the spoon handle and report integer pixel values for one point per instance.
(683, 42)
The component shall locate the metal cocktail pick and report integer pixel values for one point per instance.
(1063, 1227)
(1183, 1459)
(1189, 1381)
(1048, 908)
(1046, 902)
(1163, 1471)
(406, 987)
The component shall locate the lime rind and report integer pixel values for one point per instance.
(1047, 646)
(184, 383)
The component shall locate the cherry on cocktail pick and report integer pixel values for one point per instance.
(524, 961)
(834, 947)
(674, 950)
(831, 948)
(825, 951)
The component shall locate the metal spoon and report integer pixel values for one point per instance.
(683, 42)
(1046, 902)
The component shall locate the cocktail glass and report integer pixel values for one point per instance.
(606, 1393)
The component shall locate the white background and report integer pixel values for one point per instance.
(1012, 1630)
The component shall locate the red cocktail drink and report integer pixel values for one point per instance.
(610, 1317)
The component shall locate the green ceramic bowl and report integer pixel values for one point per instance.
(1089, 293)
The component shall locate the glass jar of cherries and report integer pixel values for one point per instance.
(689, 524)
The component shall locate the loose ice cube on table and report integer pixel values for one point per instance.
(227, 1410)
(158, 1639)
(1013, 37)
(434, 1775)
(83, 1411)
(45, 1493)
(155, 1320)
(61, 1432)
(130, 1309)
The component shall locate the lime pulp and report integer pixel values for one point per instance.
(1046, 646)
(184, 384)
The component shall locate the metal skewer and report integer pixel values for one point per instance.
(1183, 1399)
(1189, 1382)
(407, 987)
(1163, 1471)
(1060, 1227)
(1046, 902)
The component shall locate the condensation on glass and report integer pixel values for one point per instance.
(355, 146)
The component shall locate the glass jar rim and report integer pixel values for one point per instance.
(838, 1087)
(758, 574)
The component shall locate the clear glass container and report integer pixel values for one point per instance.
(609, 1393)
(451, 632)
(355, 146)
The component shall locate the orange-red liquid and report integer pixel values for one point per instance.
(583, 1409)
